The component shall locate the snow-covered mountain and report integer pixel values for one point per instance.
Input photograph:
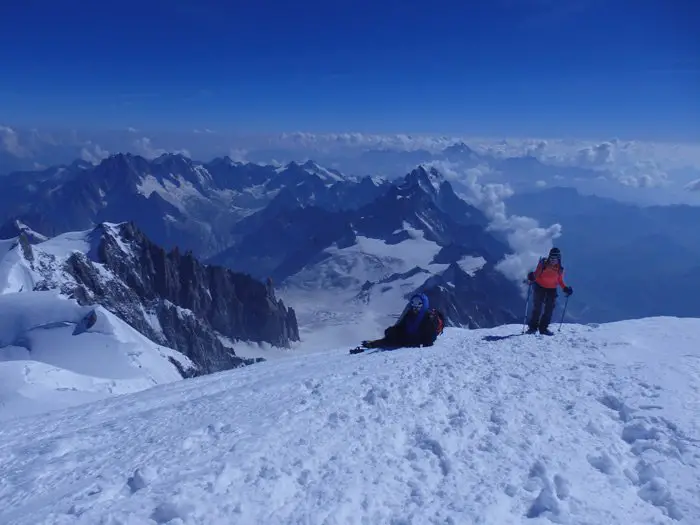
(596, 425)
(52, 357)
(175, 200)
(417, 234)
(169, 297)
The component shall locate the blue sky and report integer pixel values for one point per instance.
(593, 68)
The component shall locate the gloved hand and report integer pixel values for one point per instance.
(531, 277)
(568, 291)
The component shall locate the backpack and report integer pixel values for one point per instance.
(438, 320)
(543, 262)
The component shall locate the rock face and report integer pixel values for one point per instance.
(171, 297)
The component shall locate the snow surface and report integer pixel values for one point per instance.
(596, 425)
(46, 363)
(175, 189)
(470, 265)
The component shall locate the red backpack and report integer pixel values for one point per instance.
(438, 320)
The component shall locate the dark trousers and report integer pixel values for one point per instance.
(394, 338)
(542, 297)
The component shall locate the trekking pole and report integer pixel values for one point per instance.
(566, 303)
(527, 304)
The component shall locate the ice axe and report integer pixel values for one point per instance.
(566, 303)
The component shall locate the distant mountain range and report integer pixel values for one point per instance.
(179, 202)
(301, 225)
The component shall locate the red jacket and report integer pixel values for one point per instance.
(549, 275)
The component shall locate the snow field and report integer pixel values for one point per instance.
(597, 425)
(48, 362)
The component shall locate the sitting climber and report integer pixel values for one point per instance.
(419, 325)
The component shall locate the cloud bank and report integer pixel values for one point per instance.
(526, 238)
(693, 185)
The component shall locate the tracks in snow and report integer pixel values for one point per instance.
(469, 431)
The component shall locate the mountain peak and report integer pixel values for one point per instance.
(224, 161)
(428, 179)
(310, 167)
(15, 227)
(172, 158)
(459, 149)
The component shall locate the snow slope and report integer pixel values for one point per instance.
(48, 360)
(597, 425)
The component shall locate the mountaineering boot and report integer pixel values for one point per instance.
(531, 330)
(546, 331)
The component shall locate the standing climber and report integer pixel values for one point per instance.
(547, 276)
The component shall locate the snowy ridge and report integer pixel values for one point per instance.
(592, 426)
(14, 228)
(21, 271)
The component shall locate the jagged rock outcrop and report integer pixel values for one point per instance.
(172, 298)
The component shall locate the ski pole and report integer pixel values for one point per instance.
(566, 303)
(527, 304)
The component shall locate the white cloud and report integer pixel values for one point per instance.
(637, 164)
(600, 155)
(238, 155)
(528, 240)
(693, 185)
(541, 183)
(10, 142)
(93, 153)
(335, 141)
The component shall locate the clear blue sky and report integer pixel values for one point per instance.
(506, 67)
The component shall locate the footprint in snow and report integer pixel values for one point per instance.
(374, 394)
(552, 492)
(643, 432)
(425, 443)
(169, 512)
(206, 435)
(653, 488)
